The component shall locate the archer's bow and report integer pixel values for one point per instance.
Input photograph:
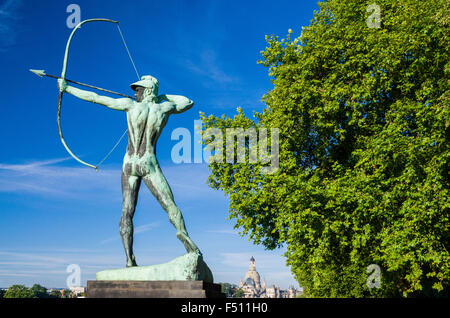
(63, 76)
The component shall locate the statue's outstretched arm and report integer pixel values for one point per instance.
(178, 104)
(122, 104)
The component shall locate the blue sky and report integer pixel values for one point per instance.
(54, 211)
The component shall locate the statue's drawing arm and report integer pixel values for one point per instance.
(176, 103)
(122, 104)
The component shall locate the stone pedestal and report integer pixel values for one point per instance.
(152, 289)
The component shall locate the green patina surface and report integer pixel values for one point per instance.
(187, 267)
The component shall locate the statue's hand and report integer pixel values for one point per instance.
(62, 85)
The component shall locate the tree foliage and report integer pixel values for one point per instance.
(55, 294)
(363, 121)
(67, 293)
(239, 293)
(19, 291)
(227, 289)
(39, 291)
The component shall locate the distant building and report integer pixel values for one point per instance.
(252, 285)
(292, 292)
(273, 292)
(253, 288)
(78, 290)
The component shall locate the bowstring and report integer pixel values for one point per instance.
(115, 146)
(128, 51)
(137, 73)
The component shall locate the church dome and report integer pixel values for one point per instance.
(253, 275)
(250, 282)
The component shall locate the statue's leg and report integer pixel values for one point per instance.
(158, 185)
(130, 190)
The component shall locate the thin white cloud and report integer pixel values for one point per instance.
(146, 227)
(207, 65)
(32, 257)
(8, 7)
(24, 263)
(137, 230)
(109, 239)
(47, 178)
(8, 20)
(31, 272)
(12, 274)
(29, 166)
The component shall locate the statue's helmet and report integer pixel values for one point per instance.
(146, 81)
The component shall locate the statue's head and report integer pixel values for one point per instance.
(146, 87)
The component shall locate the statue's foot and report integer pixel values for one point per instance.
(188, 244)
(131, 262)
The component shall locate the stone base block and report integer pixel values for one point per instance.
(152, 289)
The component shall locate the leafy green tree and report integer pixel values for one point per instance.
(67, 293)
(55, 294)
(2, 292)
(238, 293)
(39, 291)
(227, 289)
(363, 118)
(19, 291)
